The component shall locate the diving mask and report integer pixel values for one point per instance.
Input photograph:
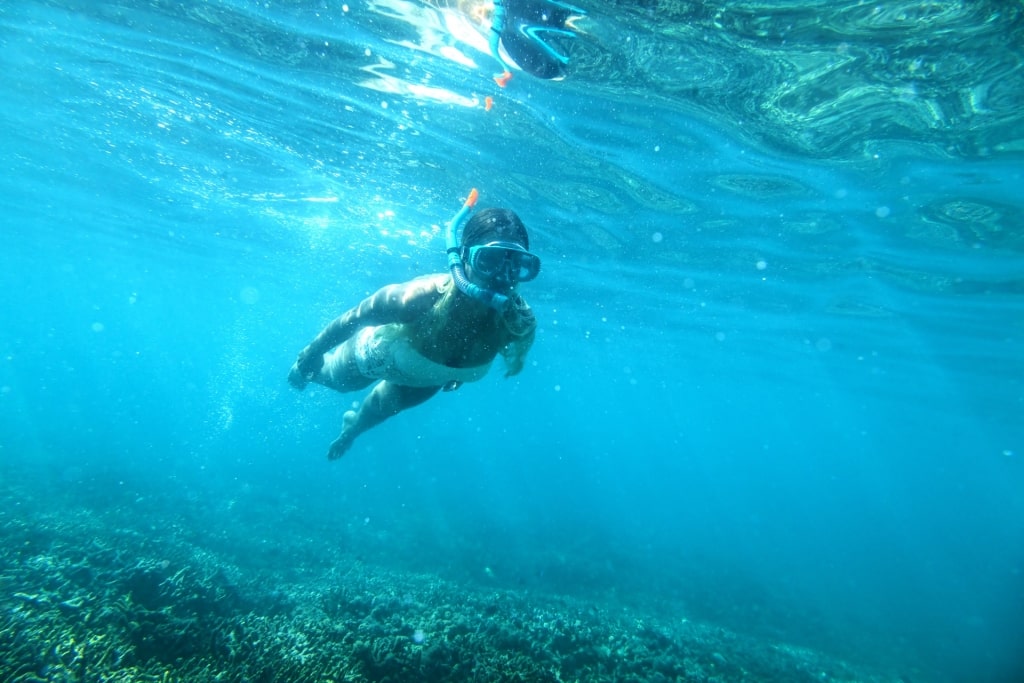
(502, 262)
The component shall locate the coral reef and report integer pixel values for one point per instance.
(90, 597)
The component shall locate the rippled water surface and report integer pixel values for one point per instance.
(779, 380)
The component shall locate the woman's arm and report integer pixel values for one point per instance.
(515, 352)
(522, 326)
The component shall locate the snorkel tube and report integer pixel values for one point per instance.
(497, 26)
(491, 298)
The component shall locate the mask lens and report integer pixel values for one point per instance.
(498, 260)
(527, 264)
(488, 260)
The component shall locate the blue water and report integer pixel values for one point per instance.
(778, 383)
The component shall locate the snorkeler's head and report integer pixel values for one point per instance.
(495, 250)
(534, 34)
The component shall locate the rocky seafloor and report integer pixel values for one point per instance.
(104, 597)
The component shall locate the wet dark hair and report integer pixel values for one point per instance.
(495, 225)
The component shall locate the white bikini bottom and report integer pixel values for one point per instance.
(384, 352)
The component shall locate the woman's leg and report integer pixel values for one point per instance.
(384, 401)
(340, 371)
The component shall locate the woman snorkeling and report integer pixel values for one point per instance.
(432, 333)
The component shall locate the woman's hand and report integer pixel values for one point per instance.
(305, 368)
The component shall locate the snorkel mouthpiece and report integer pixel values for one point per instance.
(491, 298)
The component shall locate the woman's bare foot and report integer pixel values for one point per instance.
(347, 436)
